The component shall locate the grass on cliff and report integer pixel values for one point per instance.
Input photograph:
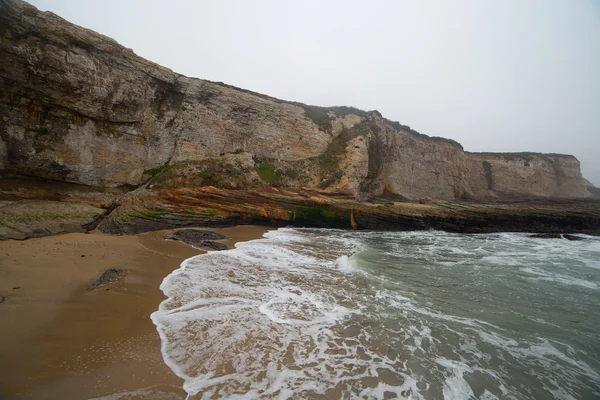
(152, 172)
(210, 172)
(278, 176)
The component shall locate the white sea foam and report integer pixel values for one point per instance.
(346, 264)
(258, 321)
(540, 274)
(455, 386)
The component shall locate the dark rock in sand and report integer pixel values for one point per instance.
(195, 237)
(214, 245)
(546, 236)
(572, 237)
(2, 298)
(110, 275)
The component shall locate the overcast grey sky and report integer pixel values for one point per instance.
(510, 75)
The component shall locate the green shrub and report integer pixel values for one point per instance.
(320, 117)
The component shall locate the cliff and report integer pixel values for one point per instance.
(77, 107)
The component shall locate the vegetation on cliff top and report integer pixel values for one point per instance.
(323, 116)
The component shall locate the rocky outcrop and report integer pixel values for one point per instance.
(514, 175)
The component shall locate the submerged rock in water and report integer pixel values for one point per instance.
(214, 245)
(546, 236)
(572, 237)
(556, 236)
(197, 237)
(110, 275)
(2, 298)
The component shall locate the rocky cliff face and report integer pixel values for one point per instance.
(525, 174)
(76, 106)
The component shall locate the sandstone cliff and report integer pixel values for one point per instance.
(78, 107)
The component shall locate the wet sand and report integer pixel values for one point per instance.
(59, 340)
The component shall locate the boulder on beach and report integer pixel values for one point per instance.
(108, 276)
(197, 237)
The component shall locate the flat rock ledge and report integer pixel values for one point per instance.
(36, 218)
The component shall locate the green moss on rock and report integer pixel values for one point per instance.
(265, 171)
(320, 216)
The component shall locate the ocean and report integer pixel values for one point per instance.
(333, 314)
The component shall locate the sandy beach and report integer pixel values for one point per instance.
(60, 340)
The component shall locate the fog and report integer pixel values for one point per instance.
(494, 75)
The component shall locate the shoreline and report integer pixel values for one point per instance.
(66, 341)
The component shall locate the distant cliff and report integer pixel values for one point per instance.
(78, 107)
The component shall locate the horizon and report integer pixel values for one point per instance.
(567, 90)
